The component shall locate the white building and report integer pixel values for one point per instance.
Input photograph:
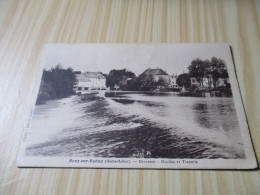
(223, 82)
(172, 81)
(90, 81)
(158, 74)
(207, 82)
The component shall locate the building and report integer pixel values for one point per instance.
(223, 82)
(90, 81)
(207, 82)
(156, 74)
(194, 81)
(173, 81)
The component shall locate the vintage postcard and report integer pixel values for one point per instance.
(155, 106)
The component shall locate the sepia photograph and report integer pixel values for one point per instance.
(137, 106)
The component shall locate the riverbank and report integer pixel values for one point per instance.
(197, 93)
(211, 93)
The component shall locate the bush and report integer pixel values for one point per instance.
(56, 83)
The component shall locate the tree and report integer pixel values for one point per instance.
(217, 70)
(183, 80)
(56, 83)
(148, 83)
(119, 78)
(212, 70)
(62, 80)
(161, 82)
(46, 92)
(199, 69)
(134, 84)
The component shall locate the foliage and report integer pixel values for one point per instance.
(161, 83)
(56, 83)
(121, 78)
(183, 80)
(134, 84)
(213, 70)
(198, 69)
(127, 81)
(147, 83)
(217, 69)
(46, 92)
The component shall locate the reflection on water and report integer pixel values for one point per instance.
(127, 124)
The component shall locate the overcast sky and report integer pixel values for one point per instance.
(173, 58)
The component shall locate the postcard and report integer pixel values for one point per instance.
(151, 106)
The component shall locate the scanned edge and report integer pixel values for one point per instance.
(155, 106)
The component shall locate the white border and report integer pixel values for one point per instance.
(148, 163)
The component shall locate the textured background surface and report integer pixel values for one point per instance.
(25, 25)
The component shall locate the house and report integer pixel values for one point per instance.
(194, 81)
(156, 74)
(223, 82)
(150, 77)
(90, 81)
(207, 82)
(173, 81)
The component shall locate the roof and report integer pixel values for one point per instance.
(156, 71)
(93, 75)
(81, 77)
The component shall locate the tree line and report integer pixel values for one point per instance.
(128, 81)
(56, 83)
(211, 69)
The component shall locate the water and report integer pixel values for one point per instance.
(138, 125)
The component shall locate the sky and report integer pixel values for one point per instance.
(172, 58)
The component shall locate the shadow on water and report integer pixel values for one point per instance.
(215, 115)
(124, 101)
(146, 93)
(121, 97)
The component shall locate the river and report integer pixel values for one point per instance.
(138, 125)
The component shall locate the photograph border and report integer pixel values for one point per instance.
(146, 163)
